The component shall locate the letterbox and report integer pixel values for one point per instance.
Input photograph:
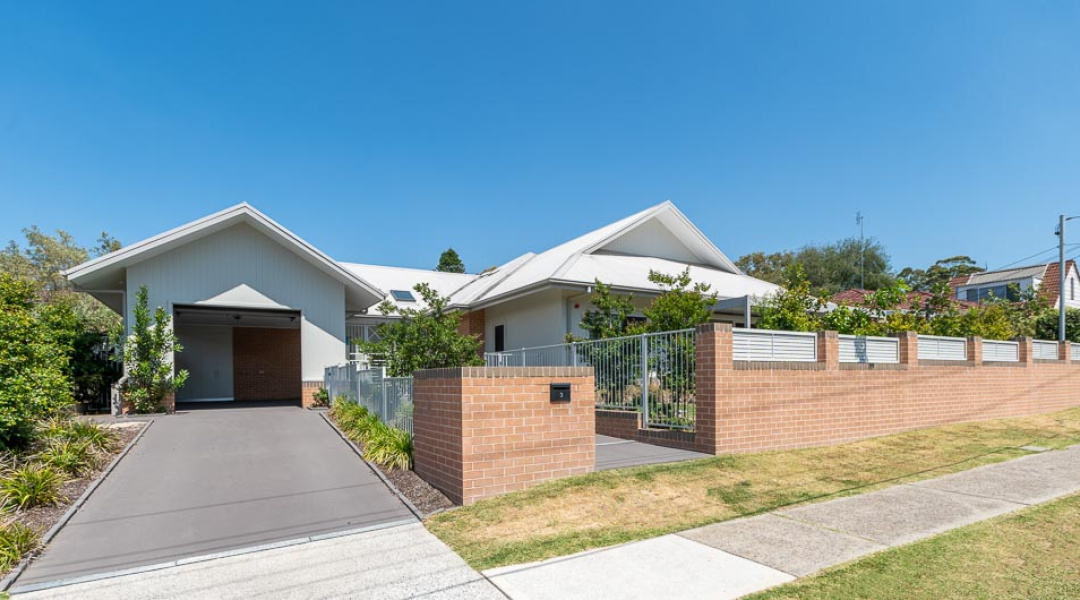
(560, 392)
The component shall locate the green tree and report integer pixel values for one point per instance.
(941, 272)
(423, 338)
(42, 259)
(1046, 325)
(682, 303)
(828, 269)
(450, 262)
(793, 307)
(610, 315)
(767, 267)
(148, 356)
(33, 359)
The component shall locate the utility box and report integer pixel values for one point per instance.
(560, 392)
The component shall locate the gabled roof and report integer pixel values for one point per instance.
(1047, 275)
(621, 254)
(100, 273)
(1001, 275)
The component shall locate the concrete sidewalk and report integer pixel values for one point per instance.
(398, 562)
(742, 556)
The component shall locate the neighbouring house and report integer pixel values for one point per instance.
(261, 313)
(1008, 283)
(914, 300)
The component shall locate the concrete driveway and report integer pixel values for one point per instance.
(215, 480)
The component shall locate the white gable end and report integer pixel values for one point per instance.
(652, 239)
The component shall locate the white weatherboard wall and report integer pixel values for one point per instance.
(534, 320)
(241, 267)
(208, 357)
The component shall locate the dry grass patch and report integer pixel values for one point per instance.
(610, 507)
(1032, 554)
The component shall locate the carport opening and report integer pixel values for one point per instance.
(235, 354)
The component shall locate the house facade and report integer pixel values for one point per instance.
(1008, 283)
(261, 313)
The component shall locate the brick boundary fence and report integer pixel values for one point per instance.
(485, 431)
(747, 407)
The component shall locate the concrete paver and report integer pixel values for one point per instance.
(789, 546)
(1027, 480)
(900, 514)
(214, 480)
(748, 555)
(394, 563)
(669, 567)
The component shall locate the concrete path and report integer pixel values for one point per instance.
(397, 562)
(615, 453)
(739, 557)
(208, 481)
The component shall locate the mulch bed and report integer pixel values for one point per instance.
(425, 498)
(42, 518)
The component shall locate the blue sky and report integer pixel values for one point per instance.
(384, 132)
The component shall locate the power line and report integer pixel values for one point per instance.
(1027, 258)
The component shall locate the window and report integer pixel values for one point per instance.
(1010, 292)
(402, 295)
(500, 338)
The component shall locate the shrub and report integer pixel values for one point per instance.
(16, 540)
(148, 356)
(79, 431)
(365, 427)
(390, 447)
(321, 397)
(71, 457)
(30, 486)
(33, 360)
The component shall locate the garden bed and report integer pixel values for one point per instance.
(361, 428)
(423, 496)
(41, 518)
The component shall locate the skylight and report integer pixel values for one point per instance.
(402, 295)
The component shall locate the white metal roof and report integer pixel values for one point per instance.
(391, 279)
(621, 254)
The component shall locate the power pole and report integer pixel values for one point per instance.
(859, 220)
(1061, 267)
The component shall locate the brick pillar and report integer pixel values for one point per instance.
(974, 350)
(712, 363)
(1065, 351)
(828, 349)
(1027, 356)
(909, 348)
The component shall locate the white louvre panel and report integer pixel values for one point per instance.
(866, 349)
(1000, 351)
(1043, 350)
(932, 347)
(1075, 352)
(766, 345)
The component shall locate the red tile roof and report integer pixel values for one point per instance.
(857, 297)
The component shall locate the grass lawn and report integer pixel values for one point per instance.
(1031, 554)
(611, 507)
